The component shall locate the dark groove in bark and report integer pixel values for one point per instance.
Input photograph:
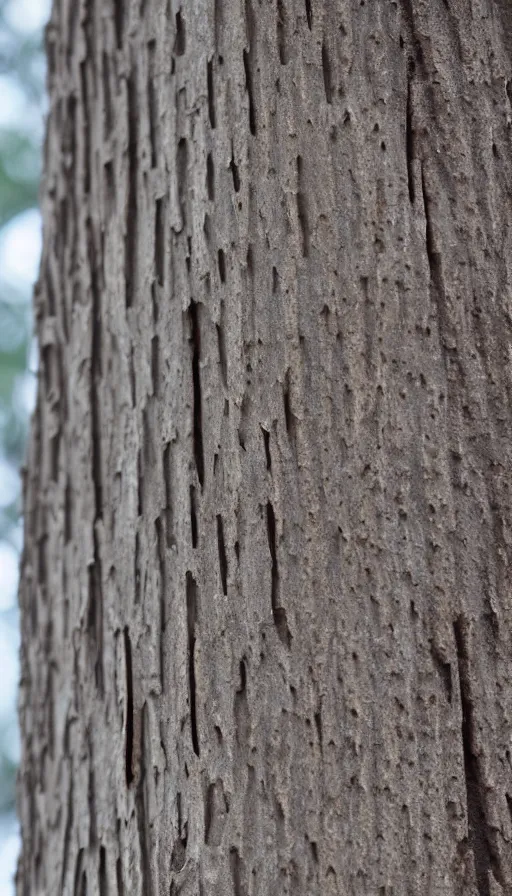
(95, 374)
(326, 68)
(266, 443)
(222, 349)
(210, 177)
(302, 208)
(193, 516)
(142, 819)
(309, 14)
(236, 871)
(67, 832)
(129, 708)
(248, 84)
(234, 170)
(163, 594)
(191, 627)
(160, 241)
(281, 32)
(152, 105)
(119, 6)
(131, 229)
(155, 365)
(409, 143)
(271, 535)
(119, 878)
(211, 94)
(196, 380)
(102, 873)
(182, 177)
(169, 512)
(221, 260)
(223, 562)
(95, 613)
(478, 828)
(180, 41)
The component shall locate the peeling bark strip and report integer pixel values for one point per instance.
(265, 590)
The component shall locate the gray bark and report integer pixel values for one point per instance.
(266, 615)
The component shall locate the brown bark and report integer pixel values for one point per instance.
(265, 591)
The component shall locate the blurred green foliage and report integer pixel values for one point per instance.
(21, 75)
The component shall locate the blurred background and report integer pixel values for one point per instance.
(22, 108)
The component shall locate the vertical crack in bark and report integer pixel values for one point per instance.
(485, 859)
(95, 373)
(302, 211)
(193, 516)
(129, 708)
(309, 14)
(222, 348)
(69, 826)
(221, 261)
(278, 612)
(248, 84)
(281, 32)
(191, 628)
(223, 562)
(326, 68)
(95, 613)
(235, 863)
(160, 234)
(266, 443)
(131, 229)
(180, 41)
(152, 104)
(409, 138)
(182, 177)
(141, 806)
(169, 510)
(155, 365)
(119, 6)
(210, 177)
(163, 594)
(102, 873)
(211, 94)
(234, 170)
(196, 379)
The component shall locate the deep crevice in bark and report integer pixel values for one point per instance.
(485, 861)
(193, 516)
(131, 228)
(180, 41)
(326, 69)
(234, 170)
(191, 628)
(211, 94)
(163, 594)
(223, 562)
(409, 140)
(160, 236)
(309, 14)
(248, 84)
(129, 708)
(210, 177)
(221, 261)
(102, 873)
(142, 815)
(119, 7)
(196, 381)
(281, 32)
(302, 211)
(266, 443)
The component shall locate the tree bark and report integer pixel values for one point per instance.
(266, 601)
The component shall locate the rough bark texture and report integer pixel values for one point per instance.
(266, 597)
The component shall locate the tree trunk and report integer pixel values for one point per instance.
(266, 601)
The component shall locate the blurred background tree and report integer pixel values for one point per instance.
(22, 68)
